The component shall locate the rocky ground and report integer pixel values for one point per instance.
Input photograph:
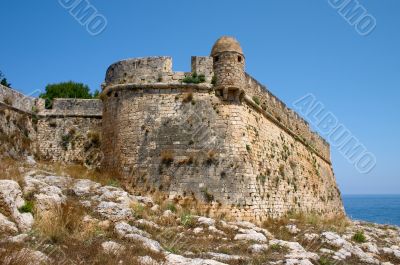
(48, 216)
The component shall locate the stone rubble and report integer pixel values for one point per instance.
(112, 208)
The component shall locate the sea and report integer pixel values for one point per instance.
(381, 209)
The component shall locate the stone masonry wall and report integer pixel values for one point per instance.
(285, 116)
(17, 128)
(16, 99)
(17, 133)
(189, 142)
(74, 107)
(69, 139)
(150, 70)
(70, 132)
(229, 70)
(157, 70)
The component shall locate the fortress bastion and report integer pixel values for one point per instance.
(216, 135)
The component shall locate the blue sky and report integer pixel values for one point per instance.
(293, 47)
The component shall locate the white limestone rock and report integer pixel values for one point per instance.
(148, 223)
(18, 239)
(225, 257)
(85, 187)
(370, 247)
(250, 235)
(22, 256)
(146, 200)
(173, 259)
(214, 230)
(258, 248)
(30, 160)
(292, 229)
(311, 236)
(296, 251)
(114, 194)
(206, 221)
(393, 250)
(168, 214)
(147, 260)
(347, 249)
(112, 248)
(36, 181)
(48, 198)
(229, 226)
(6, 226)
(155, 208)
(148, 243)
(298, 262)
(122, 229)
(114, 211)
(198, 230)
(248, 225)
(10, 201)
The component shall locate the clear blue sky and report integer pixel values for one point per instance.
(294, 47)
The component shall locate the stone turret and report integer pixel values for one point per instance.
(229, 64)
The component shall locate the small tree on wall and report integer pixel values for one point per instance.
(3, 80)
(68, 89)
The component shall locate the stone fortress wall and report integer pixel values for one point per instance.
(227, 140)
(286, 117)
(67, 132)
(70, 131)
(17, 130)
(158, 70)
(17, 100)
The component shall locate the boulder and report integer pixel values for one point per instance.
(112, 248)
(10, 201)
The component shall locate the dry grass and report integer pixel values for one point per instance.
(167, 157)
(306, 222)
(65, 223)
(12, 255)
(12, 169)
(81, 172)
(188, 98)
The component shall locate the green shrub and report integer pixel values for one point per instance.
(248, 148)
(256, 100)
(66, 90)
(359, 237)
(275, 247)
(262, 178)
(207, 195)
(94, 138)
(325, 261)
(3, 80)
(114, 183)
(27, 207)
(282, 170)
(187, 220)
(138, 210)
(214, 80)
(8, 101)
(171, 207)
(194, 79)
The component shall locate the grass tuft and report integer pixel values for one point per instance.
(359, 237)
(27, 207)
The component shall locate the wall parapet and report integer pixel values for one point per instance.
(74, 107)
(17, 100)
(151, 70)
(288, 118)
